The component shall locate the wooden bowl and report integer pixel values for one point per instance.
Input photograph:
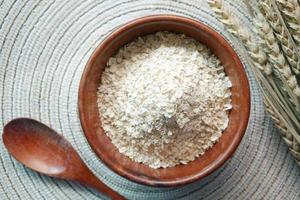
(181, 174)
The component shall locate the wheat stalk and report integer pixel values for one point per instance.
(270, 11)
(275, 102)
(290, 10)
(280, 118)
(291, 141)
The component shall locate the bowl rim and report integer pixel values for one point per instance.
(109, 38)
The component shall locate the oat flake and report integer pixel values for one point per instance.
(164, 99)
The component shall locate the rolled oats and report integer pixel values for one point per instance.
(164, 99)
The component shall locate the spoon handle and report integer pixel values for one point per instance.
(90, 179)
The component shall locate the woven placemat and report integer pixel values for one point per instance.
(44, 48)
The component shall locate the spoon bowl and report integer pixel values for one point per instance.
(26, 142)
(42, 149)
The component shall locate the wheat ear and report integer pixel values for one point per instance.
(278, 114)
(290, 10)
(255, 52)
(277, 59)
(270, 12)
(263, 73)
(258, 56)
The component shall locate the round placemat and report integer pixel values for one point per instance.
(44, 48)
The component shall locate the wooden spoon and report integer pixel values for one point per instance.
(44, 150)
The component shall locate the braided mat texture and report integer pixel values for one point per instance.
(44, 46)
